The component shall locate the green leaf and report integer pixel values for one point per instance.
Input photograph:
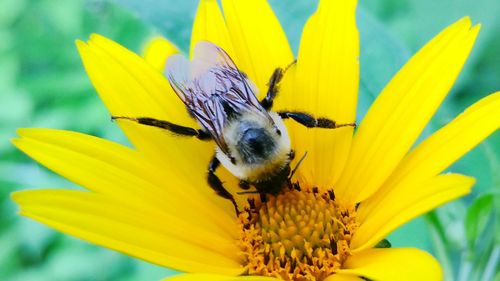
(478, 215)
(383, 244)
(438, 240)
(10, 10)
(174, 21)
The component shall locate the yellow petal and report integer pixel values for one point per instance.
(343, 277)
(403, 109)
(114, 170)
(131, 87)
(209, 25)
(212, 277)
(259, 41)
(442, 149)
(152, 236)
(394, 265)
(408, 200)
(327, 86)
(137, 86)
(157, 50)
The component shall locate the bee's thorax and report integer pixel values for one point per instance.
(255, 144)
(260, 152)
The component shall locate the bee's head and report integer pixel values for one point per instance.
(274, 184)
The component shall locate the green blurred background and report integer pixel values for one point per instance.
(43, 84)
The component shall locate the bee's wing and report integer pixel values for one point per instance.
(184, 77)
(212, 87)
(214, 72)
(208, 56)
(178, 74)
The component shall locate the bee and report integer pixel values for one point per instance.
(252, 141)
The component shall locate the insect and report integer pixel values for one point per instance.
(251, 141)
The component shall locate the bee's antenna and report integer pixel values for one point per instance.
(290, 65)
(297, 166)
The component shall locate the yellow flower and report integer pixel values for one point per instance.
(153, 203)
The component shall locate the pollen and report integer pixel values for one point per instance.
(296, 235)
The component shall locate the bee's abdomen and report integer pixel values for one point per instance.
(256, 145)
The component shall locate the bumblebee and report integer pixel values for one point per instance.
(252, 142)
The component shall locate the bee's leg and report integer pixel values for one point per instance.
(216, 184)
(273, 88)
(162, 124)
(310, 122)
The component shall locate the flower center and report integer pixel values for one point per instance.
(296, 235)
